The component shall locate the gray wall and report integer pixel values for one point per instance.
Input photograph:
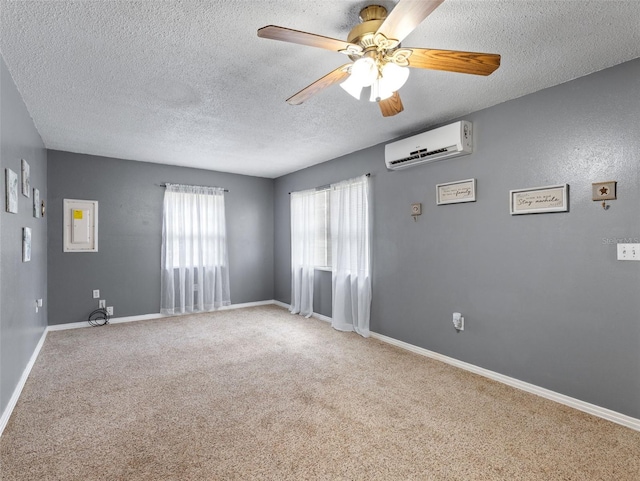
(20, 283)
(126, 267)
(544, 298)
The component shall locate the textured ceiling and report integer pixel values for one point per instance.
(190, 83)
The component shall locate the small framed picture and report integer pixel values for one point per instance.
(538, 200)
(11, 189)
(36, 203)
(26, 179)
(26, 244)
(456, 192)
(604, 190)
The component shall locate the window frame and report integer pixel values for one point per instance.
(323, 231)
(191, 224)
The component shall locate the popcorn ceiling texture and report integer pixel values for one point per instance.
(259, 394)
(190, 83)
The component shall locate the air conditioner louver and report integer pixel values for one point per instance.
(442, 143)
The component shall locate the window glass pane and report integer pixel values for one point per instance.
(323, 229)
(190, 236)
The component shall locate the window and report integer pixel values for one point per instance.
(191, 236)
(195, 268)
(323, 229)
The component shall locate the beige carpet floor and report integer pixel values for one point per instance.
(259, 394)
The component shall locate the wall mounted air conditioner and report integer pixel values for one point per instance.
(442, 143)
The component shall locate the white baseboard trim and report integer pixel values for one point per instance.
(321, 317)
(23, 379)
(246, 304)
(146, 317)
(281, 304)
(114, 320)
(586, 407)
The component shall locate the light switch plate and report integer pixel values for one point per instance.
(629, 252)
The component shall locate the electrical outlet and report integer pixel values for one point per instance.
(96, 293)
(629, 252)
(102, 303)
(110, 310)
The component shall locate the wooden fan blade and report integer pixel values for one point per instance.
(391, 106)
(406, 16)
(331, 78)
(304, 38)
(454, 61)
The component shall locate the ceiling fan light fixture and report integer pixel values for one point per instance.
(364, 71)
(394, 76)
(380, 91)
(378, 61)
(352, 87)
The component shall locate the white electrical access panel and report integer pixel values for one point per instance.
(80, 225)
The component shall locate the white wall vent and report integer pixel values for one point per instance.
(445, 142)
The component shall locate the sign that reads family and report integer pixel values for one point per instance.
(456, 192)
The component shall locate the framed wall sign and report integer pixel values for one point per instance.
(456, 192)
(551, 198)
(26, 244)
(11, 185)
(603, 190)
(26, 179)
(36, 203)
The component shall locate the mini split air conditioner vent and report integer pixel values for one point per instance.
(442, 143)
(419, 155)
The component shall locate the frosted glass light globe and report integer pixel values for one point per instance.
(364, 71)
(394, 76)
(352, 87)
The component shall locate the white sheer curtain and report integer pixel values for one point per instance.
(303, 237)
(195, 266)
(350, 241)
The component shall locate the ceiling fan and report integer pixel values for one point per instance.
(378, 60)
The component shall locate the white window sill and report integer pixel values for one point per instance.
(326, 269)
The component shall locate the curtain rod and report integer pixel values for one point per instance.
(322, 187)
(164, 184)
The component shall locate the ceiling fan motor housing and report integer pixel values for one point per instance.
(373, 12)
(363, 34)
